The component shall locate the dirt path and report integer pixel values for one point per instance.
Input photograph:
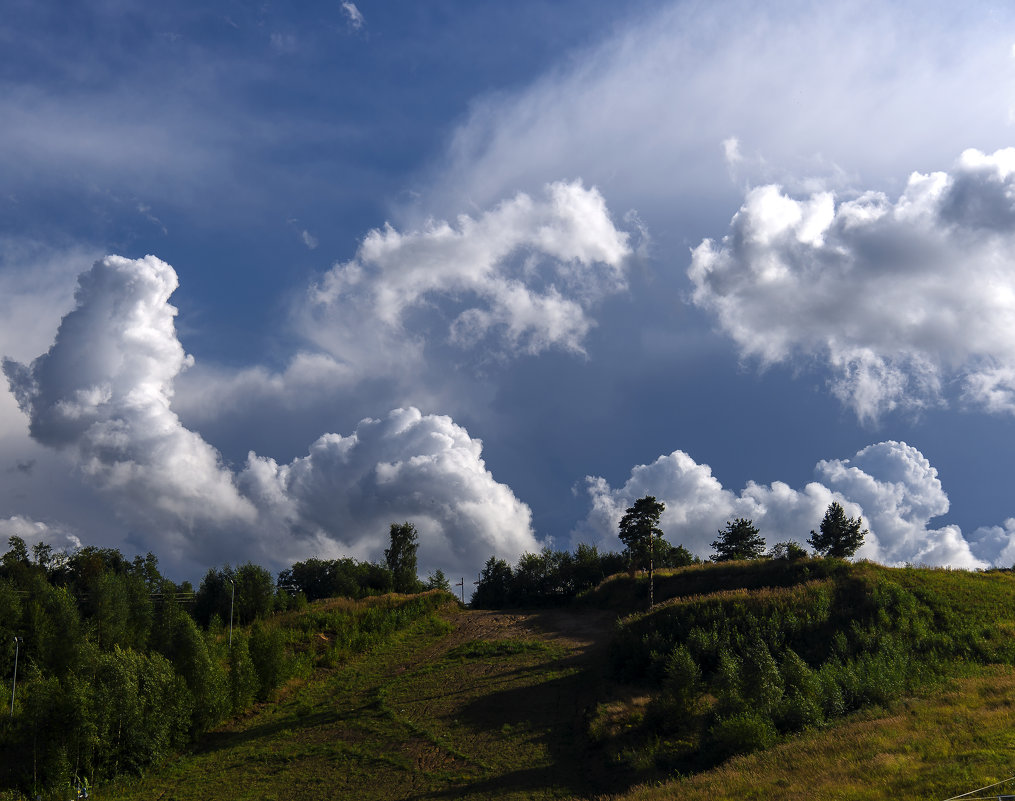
(420, 717)
(518, 723)
(581, 629)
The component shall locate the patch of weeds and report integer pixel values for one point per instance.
(486, 649)
(372, 757)
(614, 719)
(435, 626)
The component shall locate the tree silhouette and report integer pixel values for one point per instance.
(639, 531)
(401, 557)
(739, 540)
(839, 536)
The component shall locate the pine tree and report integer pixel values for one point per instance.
(639, 531)
(839, 536)
(739, 540)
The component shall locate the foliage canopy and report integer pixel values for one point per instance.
(639, 529)
(839, 536)
(740, 539)
(400, 556)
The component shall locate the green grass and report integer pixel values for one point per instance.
(629, 594)
(489, 649)
(446, 703)
(951, 740)
(420, 715)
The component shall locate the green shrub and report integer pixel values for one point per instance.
(802, 702)
(740, 734)
(760, 682)
(269, 657)
(677, 705)
(243, 681)
(726, 684)
(683, 678)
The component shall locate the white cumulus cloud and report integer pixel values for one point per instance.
(898, 298)
(103, 391)
(103, 395)
(210, 392)
(890, 484)
(34, 532)
(521, 277)
(342, 496)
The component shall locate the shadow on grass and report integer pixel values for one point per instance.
(553, 713)
(525, 782)
(544, 702)
(221, 740)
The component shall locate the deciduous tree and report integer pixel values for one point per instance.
(401, 557)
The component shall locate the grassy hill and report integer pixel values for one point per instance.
(903, 688)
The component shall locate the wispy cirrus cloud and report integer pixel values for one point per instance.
(643, 114)
(354, 15)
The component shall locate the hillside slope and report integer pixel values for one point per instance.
(491, 706)
(576, 704)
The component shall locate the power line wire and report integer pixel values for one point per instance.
(995, 784)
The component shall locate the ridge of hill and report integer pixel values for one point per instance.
(585, 702)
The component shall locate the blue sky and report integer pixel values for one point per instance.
(274, 277)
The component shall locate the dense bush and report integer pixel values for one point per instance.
(554, 578)
(743, 664)
(332, 578)
(271, 661)
(740, 734)
(115, 672)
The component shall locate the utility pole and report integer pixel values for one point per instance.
(232, 598)
(14, 684)
(461, 583)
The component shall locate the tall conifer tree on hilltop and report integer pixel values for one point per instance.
(639, 531)
(838, 535)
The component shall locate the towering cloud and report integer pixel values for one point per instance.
(897, 297)
(890, 484)
(341, 497)
(103, 392)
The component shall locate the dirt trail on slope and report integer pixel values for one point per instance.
(574, 629)
(534, 710)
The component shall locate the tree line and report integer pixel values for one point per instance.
(108, 666)
(552, 577)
